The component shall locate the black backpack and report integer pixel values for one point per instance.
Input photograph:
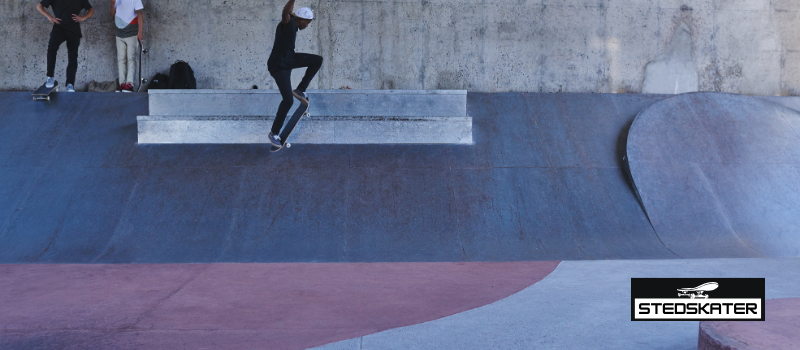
(181, 76)
(159, 81)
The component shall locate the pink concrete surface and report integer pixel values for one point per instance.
(779, 331)
(239, 306)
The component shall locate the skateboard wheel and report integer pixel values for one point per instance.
(288, 145)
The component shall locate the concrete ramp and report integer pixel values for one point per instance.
(718, 174)
(544, 180)
(541, 182)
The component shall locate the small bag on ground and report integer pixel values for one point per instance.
(159, 81)
(181, 76)
(103, 86)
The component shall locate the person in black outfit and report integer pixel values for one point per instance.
(66, 27)
(283, 59)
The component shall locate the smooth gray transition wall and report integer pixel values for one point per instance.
(657, 46)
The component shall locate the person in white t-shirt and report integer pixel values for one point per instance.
(128, 17)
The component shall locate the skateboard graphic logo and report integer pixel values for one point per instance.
(697, 299)
(698, 292)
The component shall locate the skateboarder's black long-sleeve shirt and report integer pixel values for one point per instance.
(282, 54)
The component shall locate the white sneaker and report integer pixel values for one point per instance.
(70, 88)
(50, 82)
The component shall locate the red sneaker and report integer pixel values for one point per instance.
(128, 87)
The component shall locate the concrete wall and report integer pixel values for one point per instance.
(742, 46)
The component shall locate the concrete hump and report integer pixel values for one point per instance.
(719, 174)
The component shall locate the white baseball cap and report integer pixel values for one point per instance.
(304, 13)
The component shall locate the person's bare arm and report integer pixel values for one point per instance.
(287, 12)
(49, 17)
(77, 18)
(113, 8)
(141, 25)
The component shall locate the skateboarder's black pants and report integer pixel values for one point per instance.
(283, 78)
(57, 37)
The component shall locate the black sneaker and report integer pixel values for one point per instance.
(300, 96)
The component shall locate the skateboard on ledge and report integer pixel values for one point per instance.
(43, 92)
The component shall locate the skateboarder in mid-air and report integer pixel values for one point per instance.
(283, 59)
(66, 20)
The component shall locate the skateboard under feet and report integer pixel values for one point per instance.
(43, 92)
(301, 111)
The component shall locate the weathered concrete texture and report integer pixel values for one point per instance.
(338, 117)
(721, 168)
(777, 332)
(742, 46)
(674, 72)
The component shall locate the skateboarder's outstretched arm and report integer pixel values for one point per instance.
(287, 12)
